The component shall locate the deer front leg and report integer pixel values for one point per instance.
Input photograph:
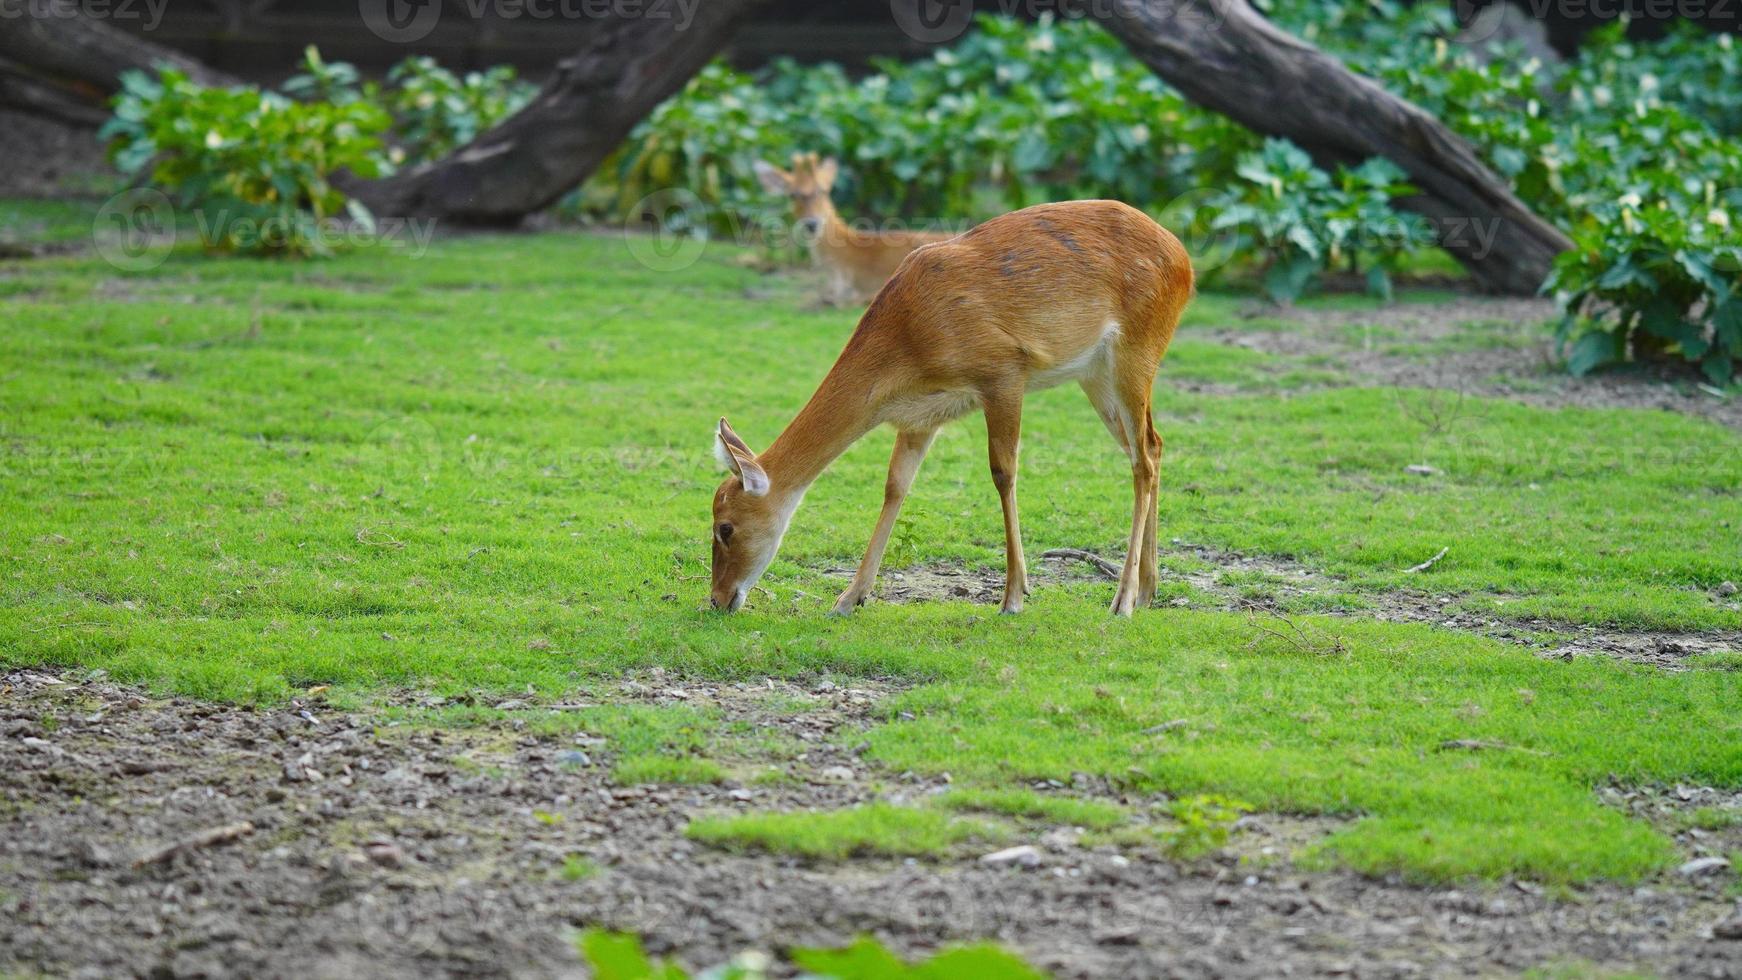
(1003, 436)
(910, 450)
(838, 289)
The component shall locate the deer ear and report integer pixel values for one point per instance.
(774, 180)
(826, 172)
(737, 457)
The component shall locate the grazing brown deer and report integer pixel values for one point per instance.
(858, 262)
(1084, 291)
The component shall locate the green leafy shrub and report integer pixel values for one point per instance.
(1653, 280)
(436, 111)
(1011, 115)
(1629, 146)
(1301, 221)
(706, 140)
(1692, 69)
(254, 166)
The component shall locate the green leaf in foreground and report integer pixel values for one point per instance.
(619, 956)
(867, 959)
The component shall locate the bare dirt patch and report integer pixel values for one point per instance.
(467, 852)
(1220, 580)
(1474, 344)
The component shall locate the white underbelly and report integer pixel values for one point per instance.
(930, 409)
(1089, 364)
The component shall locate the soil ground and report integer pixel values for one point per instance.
(1466, 345)
(384, 849)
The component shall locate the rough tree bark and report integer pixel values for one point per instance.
(65, 65)
(593, 100)
(1225, 56)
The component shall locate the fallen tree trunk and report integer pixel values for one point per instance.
(1225, 56)
(589, 105)
(64, 66)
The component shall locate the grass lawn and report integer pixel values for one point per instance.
(488, 468)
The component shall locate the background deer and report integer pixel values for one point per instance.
(1084, 291)
(858, 262)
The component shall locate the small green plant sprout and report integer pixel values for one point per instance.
(1204, 824)
(578, 867)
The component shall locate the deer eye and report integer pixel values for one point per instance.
(725, 533)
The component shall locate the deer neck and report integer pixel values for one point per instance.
(832, 236)
(837, 415)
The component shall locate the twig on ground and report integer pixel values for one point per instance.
(1298, 637)
(366, 535)
(1479, 745)
(1431, 562)
(205, 838)
(1105, 567)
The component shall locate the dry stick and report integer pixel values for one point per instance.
(1302, 640)
(1431, 562)
(1106, 567)
(205, 838)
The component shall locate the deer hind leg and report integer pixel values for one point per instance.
(910, 450)
(1122, 398)
(1146, 574)
(1003, 436)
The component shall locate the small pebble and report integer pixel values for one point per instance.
(1021, 856)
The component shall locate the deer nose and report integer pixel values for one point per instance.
(713, 602)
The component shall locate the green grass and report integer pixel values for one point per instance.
(1089, 814)
(47, 222)
(487, 469)
(875, 829)
(1579, 969)
(1730, 660)
(1709, 818)
(666, 769)
(630, 729)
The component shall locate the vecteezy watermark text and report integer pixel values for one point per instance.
(274, 232)
(942, 21)
(404, 21)
(148, 12)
